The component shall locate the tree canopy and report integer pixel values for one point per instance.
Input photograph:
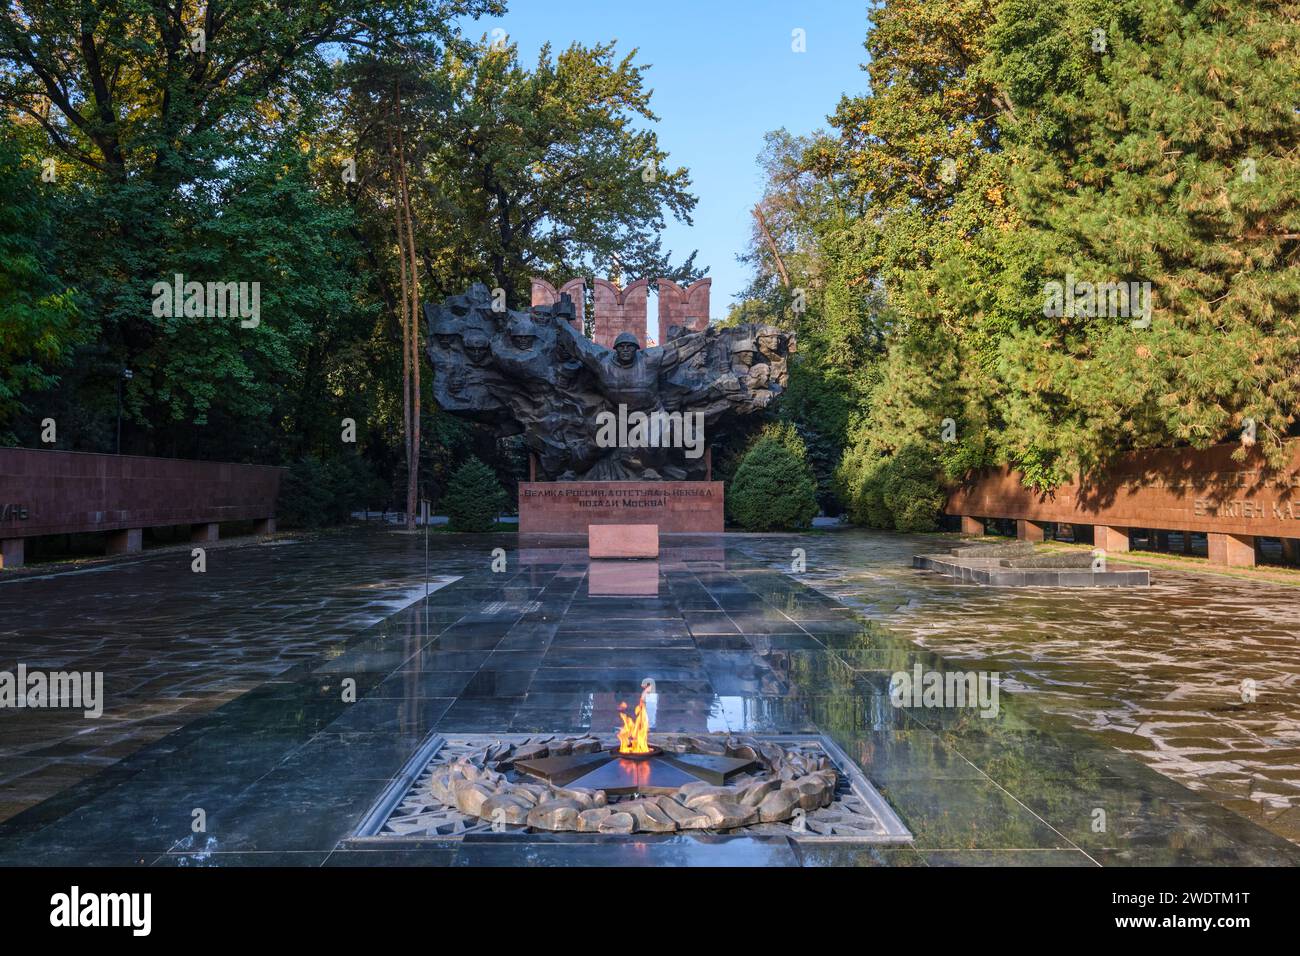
(245, 142)
(1003, 146)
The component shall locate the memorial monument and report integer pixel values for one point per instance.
(615, 433)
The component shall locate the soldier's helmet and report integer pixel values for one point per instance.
(477, 345)
(626, 338)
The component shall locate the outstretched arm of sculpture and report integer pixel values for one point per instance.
(678, 350)
(587, 352)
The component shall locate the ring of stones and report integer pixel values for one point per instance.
(781, 785)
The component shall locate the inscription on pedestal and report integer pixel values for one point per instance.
(560, 507)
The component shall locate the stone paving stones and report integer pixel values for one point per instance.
(1155, 672)
(230, 690)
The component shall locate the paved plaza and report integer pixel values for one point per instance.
(1156, 672)
(226, 693)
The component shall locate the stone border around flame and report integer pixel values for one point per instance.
(468, 785)
(786, 781)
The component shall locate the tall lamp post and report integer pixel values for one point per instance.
(126, 376)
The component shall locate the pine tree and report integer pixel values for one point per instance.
(1163, 148)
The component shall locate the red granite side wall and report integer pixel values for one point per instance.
(1172, 489)
(62, 492)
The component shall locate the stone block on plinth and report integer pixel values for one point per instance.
(623, 541)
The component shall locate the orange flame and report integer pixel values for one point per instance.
(634, 738)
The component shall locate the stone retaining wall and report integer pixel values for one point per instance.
(1174, 489)
(45, 492)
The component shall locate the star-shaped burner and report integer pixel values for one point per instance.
(621, 774)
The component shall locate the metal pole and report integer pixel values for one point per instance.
(124, 375)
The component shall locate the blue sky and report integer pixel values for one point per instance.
(723, 74)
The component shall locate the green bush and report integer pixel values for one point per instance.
(911, 489)
(897, 491)
(773, 489)
(318, 493)
(474, 497)
(874, 511)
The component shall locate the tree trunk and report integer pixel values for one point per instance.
(413, 477)
(771, 245)
(404, 318)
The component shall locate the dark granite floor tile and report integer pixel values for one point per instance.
(559, 721)
(723, 642)
(528, 636)
(895, 755)
(812, 854)
(786, 642)
(562, 681)
(664, 851)
(365, 756)
(624, 643)
(649, 660)
(139, 817)
(753, 714)
(390, 716)
(74, 856)
(514, 660)
(285, 811)
(362, 661)
(448, 641)
(432, 659)
(1007, 858)
(404, 685)
(704, 623)
(1108, 813)
(479, 716)
(493, 683)
(273, 858)
(1219, 856)
(389, 858)
(968, 815)
(618, 674)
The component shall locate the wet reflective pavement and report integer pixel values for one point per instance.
(1156, 672)
(284, 771)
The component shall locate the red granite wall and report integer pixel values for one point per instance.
(1172, 489)
(619, 310)
(688, 307)
(62, 492)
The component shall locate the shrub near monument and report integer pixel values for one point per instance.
(773, 489)
(474, 498)
(899, 491)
